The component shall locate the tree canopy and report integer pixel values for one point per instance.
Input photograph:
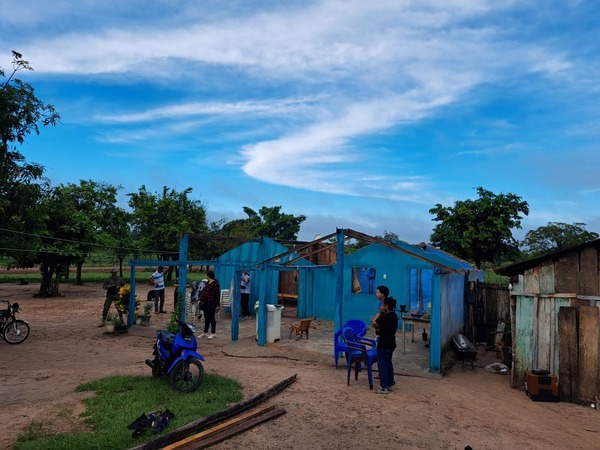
(159, 220)
(22, 186)
(556, 236)
(480, 230)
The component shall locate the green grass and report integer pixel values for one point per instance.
(119, 400)
(492, 277)
(92, 277)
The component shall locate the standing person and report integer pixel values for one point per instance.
(386, 324)
(245, 294)
(112, 286)
(158, 280)
(381, 293)
(211, 296)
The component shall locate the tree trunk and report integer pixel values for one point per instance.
(121, 258)
(79, 265)
(47, 288)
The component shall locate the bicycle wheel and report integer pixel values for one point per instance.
(16, 331)
(187, 375)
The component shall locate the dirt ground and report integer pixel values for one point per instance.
(464, 408)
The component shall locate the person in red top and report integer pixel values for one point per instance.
(211, 297)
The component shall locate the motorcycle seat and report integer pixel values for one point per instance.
(166, 338)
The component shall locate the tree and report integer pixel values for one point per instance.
(158, 221)
(86, 207)
(71, 219)
(556, 236)
(272, 223)
(269, 222)
(116, 234)
(22, 185)
(479, 230)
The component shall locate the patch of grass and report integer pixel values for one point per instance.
(491, 277)
(119, 400)
(92, 277)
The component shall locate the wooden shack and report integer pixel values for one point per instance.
(555, 318)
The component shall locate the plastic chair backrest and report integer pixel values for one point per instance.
(359, 327)
(350, 338)
(225, 298)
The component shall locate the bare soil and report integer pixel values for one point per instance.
(464, 408)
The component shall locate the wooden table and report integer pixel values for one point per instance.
(411, 320)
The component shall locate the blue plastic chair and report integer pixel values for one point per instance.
(360, 350)
(339, 346)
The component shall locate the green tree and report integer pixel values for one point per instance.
(480, 230)
(268, 222)
(159, 220)
(88, 205)
(71, 223)
(556, 236)
(272, 223)
(22, 185)
(117, 235)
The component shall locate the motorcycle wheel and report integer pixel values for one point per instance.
(187, 375)
(16, 331)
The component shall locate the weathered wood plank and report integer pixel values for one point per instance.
(532, 281)
(566, 270)
(525, 338)
(568, 368)
(542, 359)
(228, 430)
(589, 359)
(588, 271)
(547, 279)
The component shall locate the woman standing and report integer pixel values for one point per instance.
(211, 297)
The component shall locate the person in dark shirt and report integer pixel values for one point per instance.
(112, 286)
(211, 297)
(386, 324)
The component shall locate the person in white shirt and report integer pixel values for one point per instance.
(157, 279)
(245, 294)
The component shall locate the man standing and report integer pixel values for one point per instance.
(112, 286)
(158, 280)
(386, 324)
(245, 294)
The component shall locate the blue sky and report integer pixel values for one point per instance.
(357, 114)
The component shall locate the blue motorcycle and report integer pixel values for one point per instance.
(175, 357)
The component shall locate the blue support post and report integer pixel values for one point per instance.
(339, 279)
(235, 306)
(261, 314)
(181, 290)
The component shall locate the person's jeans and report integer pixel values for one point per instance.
(244, 300)
(110, 298)
(386, 369)
(159, 300)
(210, 310)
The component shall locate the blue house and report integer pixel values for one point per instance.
(420, 277)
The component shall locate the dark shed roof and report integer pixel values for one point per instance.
(522, 266)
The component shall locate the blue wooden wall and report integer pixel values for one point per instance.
(248, 256)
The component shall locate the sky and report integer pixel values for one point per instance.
(357, 114)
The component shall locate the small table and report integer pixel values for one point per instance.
(411, 320)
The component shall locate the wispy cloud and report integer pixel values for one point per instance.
(347, 97)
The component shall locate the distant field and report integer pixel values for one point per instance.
(88, 275)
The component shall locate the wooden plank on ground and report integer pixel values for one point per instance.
(568, 367)
(589, 324)
(226, 430)
(245, 405)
